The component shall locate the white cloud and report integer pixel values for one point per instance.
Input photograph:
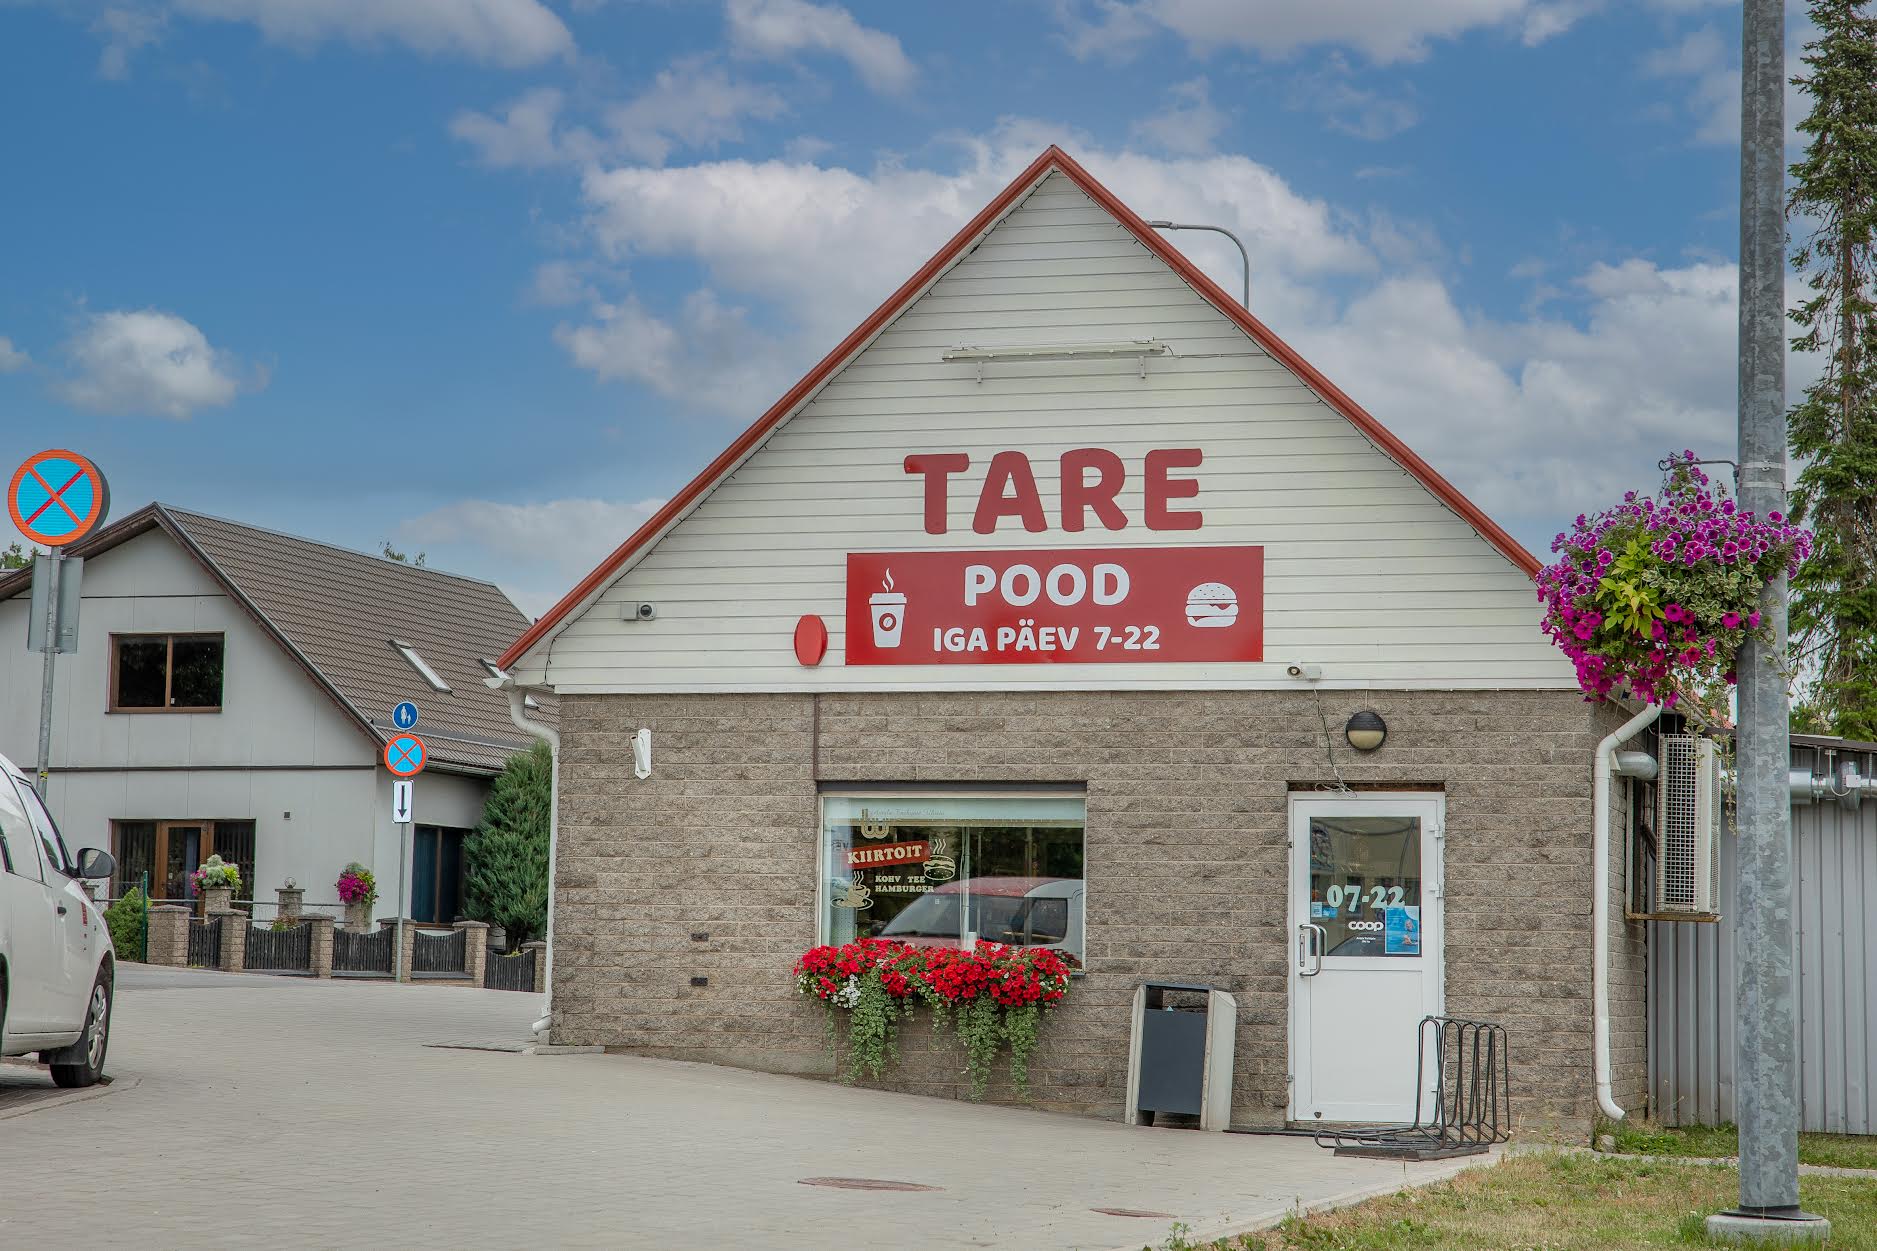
(708, 357)
(693, 103)
(1707, 66)
(547, 546)
(525, 135)
(147, 362)
(12, 358)
(124, 31)
(1363, 112)
(499, 32)
(1189, 124)
(1385, 32)
(777, 29)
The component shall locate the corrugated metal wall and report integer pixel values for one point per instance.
(1691, 1038)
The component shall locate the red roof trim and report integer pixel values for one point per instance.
(1052, 158)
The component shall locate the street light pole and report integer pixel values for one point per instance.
(1245, 297)
(1766, 1033)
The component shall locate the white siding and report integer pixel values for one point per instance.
(279, 753)
(1367, 573)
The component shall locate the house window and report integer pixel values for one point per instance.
(166, 673)
(941, 869)
(437, 874)
(169, 851)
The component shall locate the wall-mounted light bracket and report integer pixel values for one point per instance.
(1130, 349)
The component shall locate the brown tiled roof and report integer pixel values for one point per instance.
(337, 611)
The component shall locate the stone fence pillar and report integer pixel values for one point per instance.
(322, 942)
(403, 965)
(475, 950)
(290, 901)
(234, 939)
(538, 950)
(169, 936)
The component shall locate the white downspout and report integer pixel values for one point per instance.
(1600, 899)
(517, 707)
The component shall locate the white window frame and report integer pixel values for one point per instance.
(422, 666)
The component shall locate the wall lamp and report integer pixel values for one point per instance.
(1366, 731)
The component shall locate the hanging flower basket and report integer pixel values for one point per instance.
(1655, 594)
(993, 995)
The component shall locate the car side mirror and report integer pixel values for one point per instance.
(95, 863)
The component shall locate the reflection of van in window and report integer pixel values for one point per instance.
(1019, 911)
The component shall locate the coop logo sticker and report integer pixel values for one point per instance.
(1117, 605)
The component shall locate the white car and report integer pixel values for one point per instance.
(56, 961)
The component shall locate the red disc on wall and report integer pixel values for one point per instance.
(811, 640)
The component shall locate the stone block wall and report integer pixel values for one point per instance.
(1187, 863)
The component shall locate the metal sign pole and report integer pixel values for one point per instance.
(50, 649)
(404, 829)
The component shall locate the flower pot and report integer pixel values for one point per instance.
(358, 915)
(217, 898)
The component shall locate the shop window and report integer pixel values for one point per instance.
(946, 869)
(166, 673)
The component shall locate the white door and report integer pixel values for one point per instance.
(1365, 952)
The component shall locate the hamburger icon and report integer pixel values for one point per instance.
(1211, 605)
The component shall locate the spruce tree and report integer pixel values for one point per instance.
(1833, 430)
(505, 861)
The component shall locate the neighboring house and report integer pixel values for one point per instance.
(232, 692)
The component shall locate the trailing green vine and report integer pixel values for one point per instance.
(993, 997)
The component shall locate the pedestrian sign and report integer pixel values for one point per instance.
(404, 755)
(57, 497)
(404, 716)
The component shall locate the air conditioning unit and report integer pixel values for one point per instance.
(1690, 814)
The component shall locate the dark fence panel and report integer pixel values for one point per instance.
(205, 943)
(440, 955)
(514, 972)
(287, 950)
(362, 955)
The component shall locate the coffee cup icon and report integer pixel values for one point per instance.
(889, 614)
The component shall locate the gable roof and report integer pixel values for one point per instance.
(335, 612)
(1053, 159)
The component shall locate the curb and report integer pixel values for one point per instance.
(77, 1096)
(1271, 1217)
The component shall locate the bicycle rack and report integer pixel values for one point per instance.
(1472, 1102)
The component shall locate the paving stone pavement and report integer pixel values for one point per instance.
(262, 1112)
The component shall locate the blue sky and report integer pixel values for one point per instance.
(490, 278)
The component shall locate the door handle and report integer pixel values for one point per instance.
(61, 909)
(1310, 940)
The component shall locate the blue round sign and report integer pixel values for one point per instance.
(404, 716)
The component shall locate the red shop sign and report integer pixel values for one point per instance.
(1136, 605)
(868, 856)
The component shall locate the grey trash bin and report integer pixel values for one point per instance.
(1180, 1058)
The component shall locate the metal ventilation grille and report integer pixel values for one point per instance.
(1676, 832)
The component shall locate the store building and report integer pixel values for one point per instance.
(1039, 610)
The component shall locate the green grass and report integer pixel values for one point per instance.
(1723, 1142)
(1556, 1202)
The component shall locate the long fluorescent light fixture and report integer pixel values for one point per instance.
(1126, 349)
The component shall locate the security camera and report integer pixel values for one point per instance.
(1308, 673)
(640, 612)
